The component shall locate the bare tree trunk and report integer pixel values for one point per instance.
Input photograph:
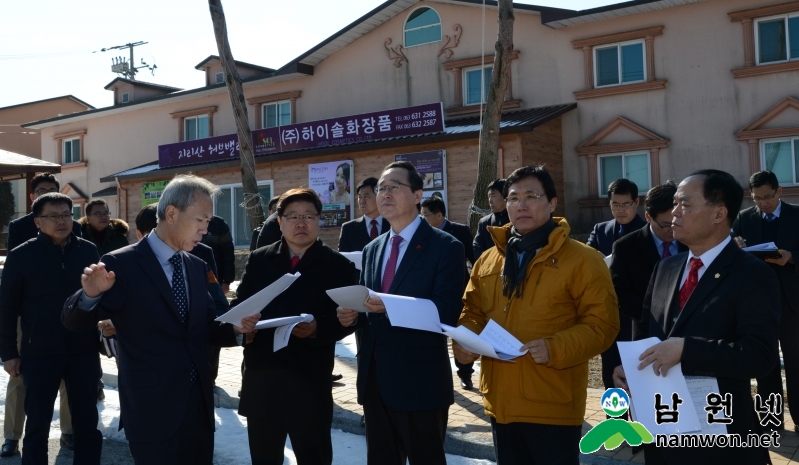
(495, 93)
(253, 205)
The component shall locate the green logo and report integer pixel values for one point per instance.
(613, 432)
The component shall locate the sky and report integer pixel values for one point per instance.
(52, 48)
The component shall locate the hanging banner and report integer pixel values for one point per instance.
(199, 151)
(333, 184)
(432, 165)
(151, 192)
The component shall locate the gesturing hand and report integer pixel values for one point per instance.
(96, 279)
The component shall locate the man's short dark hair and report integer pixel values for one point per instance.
(302, 194)
(498, 185)
(272, 202)
(623, 186)
(44, 177)
(415, 180)
(761, 178)
(90, 206)
(435, 205)
(52, 198)
(368, 182)
(532, 171)
(147, 219)
(720, 188)
(660, 199)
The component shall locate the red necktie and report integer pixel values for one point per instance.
(690, 283)
(666, 250)
(391, 266)
(295, 260)
(373, 231)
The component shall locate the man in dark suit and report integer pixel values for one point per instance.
(716, 309)
(498, 217)
(772, 220)
(357, 233)
(623, 196)
(634, 257)
(404, 375)
(156, 295)
(435, 212)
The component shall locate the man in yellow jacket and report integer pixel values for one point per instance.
(556, 296)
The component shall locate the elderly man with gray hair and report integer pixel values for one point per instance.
(164, 317)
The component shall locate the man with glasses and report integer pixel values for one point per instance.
(20, 230)
(623, 196)
(39, 276)
(634, 257)
(772, 220)
(107, 233)
(404, 375)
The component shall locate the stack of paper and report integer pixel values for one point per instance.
(494, 341)
(354, 257)
(258, 301)
(767, 250)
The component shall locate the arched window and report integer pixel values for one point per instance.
(423, 26)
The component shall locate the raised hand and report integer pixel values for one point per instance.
(96, 279)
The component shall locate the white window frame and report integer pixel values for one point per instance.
(217, 76)
(125, 97)
(195, 118)
(792, 142)
(405, 29)
(277, 105)
(64, 150)
(624, 166)
(484, 88)
(787, 38)
(232, 221)
(618, 46)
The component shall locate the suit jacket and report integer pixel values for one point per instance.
(269, 233)
(156, 351)
(634, 257)
(730, 325)
(749, 224)
(23, 228)
(604, 234)
(354, 237)
(413, 369)
(462, 233)
(482, 240)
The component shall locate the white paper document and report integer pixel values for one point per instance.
(608, 260)
(410, 312)
(283, 333)
(759, 247)
(283, 321)
(700, 387)
(644, 384)
(351, 297)
(480, 344)
(259, 300)
(354, 257)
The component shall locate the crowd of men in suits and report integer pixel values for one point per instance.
(678, 274)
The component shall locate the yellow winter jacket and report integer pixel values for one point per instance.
(569, 301)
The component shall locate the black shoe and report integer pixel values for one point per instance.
(466, 383)
(10, 447)
(67, 441)
(337, 377)
(100, 396)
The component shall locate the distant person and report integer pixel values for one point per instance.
(623, 196)
(219, 239)
(357, 233)
(497, 217)
(107, 233)
(271, 209)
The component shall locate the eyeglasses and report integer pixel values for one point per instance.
(765, 198)
(101, 214)
(295, 218)
(665, 228)
(55, 217)
(391, 188)
(527, 199)
(45, 191)
(621, 206)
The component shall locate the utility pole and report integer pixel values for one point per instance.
(489, 132)
(128, 69)
(252, 200)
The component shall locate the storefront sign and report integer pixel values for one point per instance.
(333, 184)
(199, 151)
(432, 166)
(266, 141)
(151, 192)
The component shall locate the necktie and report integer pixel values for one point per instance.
(179, 291)
(621, 230)
(666, 250)
(295, 260)
(770, 217)
(690, 283)
(373, 231)
(391, 266)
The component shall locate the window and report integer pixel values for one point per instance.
(633, 166)
(220, 78)
(71, 151)
(276, 114)
(619, 64)
(228, 206)
(475, 87)
(777, 39)
(195, 127)
(423, 26)
(77, 212)
(780, 157)
(125, 97)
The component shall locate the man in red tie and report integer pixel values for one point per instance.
(716, 309)
(357, 233)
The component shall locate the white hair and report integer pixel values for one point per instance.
(181, 190)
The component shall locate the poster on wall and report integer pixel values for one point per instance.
(151, 192)
(333, 184)
(432, 165)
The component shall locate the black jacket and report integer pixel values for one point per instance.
(220, 240)
(604, 234)
(268, 233)
(354, 237)
(38, 277)
(482, 240)
(462, 233)
(23, 228)
(116, 235)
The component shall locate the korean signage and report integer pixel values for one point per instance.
(333, 184)
(432, 166)
(345, 130)
(151, 192)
